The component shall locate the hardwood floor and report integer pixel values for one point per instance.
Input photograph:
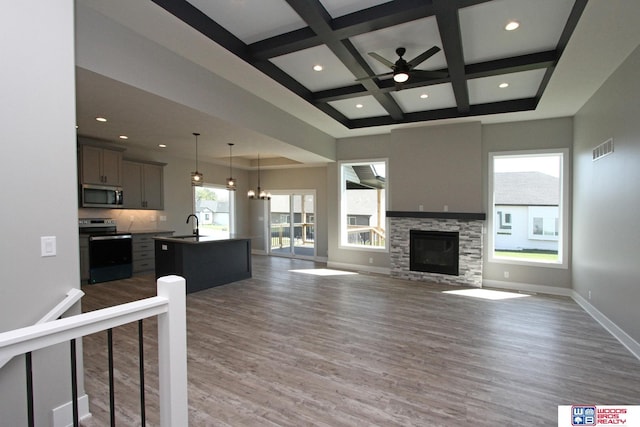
(291, 349)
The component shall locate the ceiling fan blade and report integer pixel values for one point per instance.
(385, 61)
(429, 74)
(423, 56)
(375, 77)
(398, 86)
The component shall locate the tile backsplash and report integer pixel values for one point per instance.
(129, 219)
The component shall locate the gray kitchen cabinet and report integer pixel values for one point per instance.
(100, 166)
(143, 185)
(84, 259)
(144, 251)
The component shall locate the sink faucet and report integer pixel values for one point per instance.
(196, 231)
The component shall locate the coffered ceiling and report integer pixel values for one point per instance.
(558, 57)
(285, 39)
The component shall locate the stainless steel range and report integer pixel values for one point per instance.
(110, 254)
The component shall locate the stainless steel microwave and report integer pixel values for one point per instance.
(100, 196)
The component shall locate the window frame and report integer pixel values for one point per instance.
(232, 204)
(343, 220)
(563, 215)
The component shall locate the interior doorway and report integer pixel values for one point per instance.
(292, 218)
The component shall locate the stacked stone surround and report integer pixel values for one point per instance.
(470, 249)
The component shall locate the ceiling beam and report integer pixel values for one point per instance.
(319, 20)
(511, 106)
(533, 61)
(350, 25)
(449, 27)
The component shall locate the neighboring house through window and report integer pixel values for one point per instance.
(528, 192)
(363, 204)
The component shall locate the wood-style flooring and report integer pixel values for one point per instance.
(286, 348)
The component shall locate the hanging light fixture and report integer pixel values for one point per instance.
(263, 195)
(196, 177)
(231, 183)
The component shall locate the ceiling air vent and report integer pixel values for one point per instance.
(603, 149)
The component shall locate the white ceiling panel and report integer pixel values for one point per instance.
(521, 85)
(484, 37)
(349, 107)
(344, 7)
(299, 65)
(437, 97)
(416, 36)
(251, 20)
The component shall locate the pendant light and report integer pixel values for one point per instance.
(231, 183)
(196, 177)
(263, 195)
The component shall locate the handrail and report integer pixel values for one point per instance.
(72, 297)
(169, 306)
(31, 338)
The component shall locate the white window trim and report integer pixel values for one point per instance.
(232, 204)
(565, 198)
(342, 207)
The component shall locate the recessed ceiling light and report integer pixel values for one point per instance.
(123, 137)
(101, 119)
(512, 25)
(162, 145)
(317, 67)
(424, 96)
(503, 85)
(359, 105)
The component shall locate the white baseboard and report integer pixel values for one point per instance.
(624, 338)
(527, 287)
(63, 414)
(258, 252)
(359, 267)
(632, 345)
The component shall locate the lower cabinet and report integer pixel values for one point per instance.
(144, 252)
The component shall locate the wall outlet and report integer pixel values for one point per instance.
(506, 274)
(589, 294)
(446, 208)
(152, 218)
(421, 208)
(370, 260)
(131, 218)
(163, 218)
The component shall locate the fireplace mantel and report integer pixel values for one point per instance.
(465, 216)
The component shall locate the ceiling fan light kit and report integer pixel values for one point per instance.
(403, 70)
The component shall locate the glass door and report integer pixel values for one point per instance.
(292, 224)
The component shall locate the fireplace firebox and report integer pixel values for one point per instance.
(434, 251)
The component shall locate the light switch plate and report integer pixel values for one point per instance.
(47, 246)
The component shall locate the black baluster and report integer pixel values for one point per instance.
(30, 417)
(143, 416)
(112, 400)
(74, 384)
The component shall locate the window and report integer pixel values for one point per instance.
(214, 208)
(363, 205)
(528, 192)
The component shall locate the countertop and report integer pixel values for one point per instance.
(190, 239)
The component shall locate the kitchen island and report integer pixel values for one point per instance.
(203, 261)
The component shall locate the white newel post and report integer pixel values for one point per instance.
(172, 353)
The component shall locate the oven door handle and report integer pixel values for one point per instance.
(122, 236)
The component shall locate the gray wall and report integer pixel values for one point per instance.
(530, 135)
(436, 166)
(39, 198)
(606, 238)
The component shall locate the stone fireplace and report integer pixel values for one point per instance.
(467, 228)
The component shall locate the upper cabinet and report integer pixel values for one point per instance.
(100, 165)
(143, 185)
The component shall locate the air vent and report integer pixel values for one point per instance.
(603, 149)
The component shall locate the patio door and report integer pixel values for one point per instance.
(292, 224)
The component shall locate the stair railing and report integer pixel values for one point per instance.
(170, 308)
